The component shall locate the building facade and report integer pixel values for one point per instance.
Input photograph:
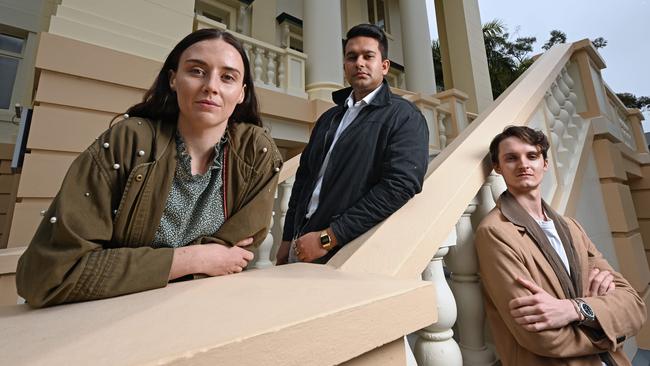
(78, 63)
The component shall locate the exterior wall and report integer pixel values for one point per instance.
(590, 211)
(355, 12)
(147, 28)
(640, 189)
(395, 52)
(624, 221)
(8, 187)
(263, 24)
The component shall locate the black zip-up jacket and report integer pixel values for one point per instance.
(376, 166)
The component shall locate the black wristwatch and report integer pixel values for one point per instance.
(586, 311)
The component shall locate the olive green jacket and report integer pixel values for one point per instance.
(94, 241)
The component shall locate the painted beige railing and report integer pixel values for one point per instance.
(461, 189)
(275, 68)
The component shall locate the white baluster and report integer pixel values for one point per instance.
(442, 130)
(486, 203)
(263, 255)
(285, 38)
(572, 129)
(241, 17)
(435, 345)
(497, 185)
(270, 68)
(282, 77)
(258, 64)
(564, 117)
(573, 99)
(557, 131)
(463, 264)
(284, 194)
(247, 49)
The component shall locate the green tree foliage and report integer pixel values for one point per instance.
(557, 36)
(599, 42)
(632, 101)
(507, 58)
(437, 64)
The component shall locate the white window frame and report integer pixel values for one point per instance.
(201, 6)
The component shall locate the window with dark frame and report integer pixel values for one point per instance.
(11, 54)
(378, 14)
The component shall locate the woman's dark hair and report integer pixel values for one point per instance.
(525, 134)
(160, 103)
(372, 31)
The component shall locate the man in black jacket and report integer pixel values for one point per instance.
(365, 159)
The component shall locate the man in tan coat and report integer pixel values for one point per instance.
(551, 298)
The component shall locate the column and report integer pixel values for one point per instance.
(322, 42)
(464, 63)
(416, 45)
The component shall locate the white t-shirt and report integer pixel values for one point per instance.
(551, 233)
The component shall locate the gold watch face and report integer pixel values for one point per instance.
(325, 238)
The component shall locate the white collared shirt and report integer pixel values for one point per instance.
(350, 114)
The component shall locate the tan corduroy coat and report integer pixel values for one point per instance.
(94, 240)
(506, 251)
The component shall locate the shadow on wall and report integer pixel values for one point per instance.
(642, 357)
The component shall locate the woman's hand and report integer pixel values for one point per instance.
(210, 259)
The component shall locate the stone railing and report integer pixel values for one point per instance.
(618, 116)
(275, 68)
(445, 115)
(549, 105)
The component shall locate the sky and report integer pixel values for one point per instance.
(625, 24)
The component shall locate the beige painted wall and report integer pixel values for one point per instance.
(591, 213)
(147, 28)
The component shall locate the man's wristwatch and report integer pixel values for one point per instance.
(326, 241)
(586, 311)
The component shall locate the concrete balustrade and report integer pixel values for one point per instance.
(275, 68)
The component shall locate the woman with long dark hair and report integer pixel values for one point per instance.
(183, 186)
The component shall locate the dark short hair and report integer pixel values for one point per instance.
(160, 102)
(372, 31)
(525, 134)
